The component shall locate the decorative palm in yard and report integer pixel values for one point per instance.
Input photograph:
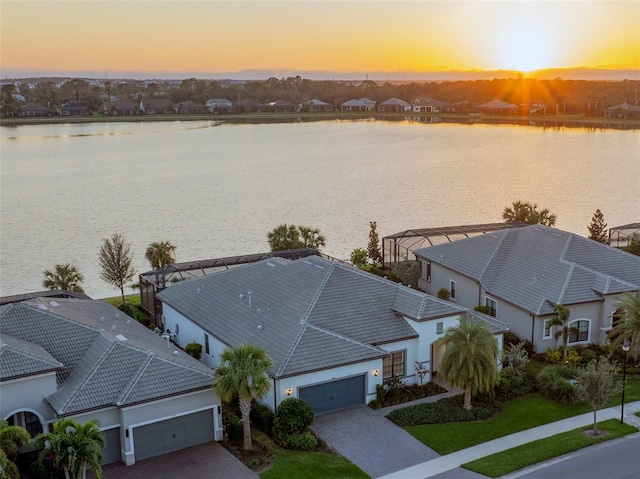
(561, 319)
(74, 447)
(284, 237)
(470, 359)
(528, 213)
(628, 326)
(160, 253)
(242, 374)
(64, 276)
(11, 439)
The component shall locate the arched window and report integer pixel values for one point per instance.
(27, 420)
(582, 334)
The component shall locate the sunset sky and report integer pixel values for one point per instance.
(207, 37)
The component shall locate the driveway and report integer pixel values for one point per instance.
(370, 440)
(206, 461)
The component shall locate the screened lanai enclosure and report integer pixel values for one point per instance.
(624, 235)
(400, 246)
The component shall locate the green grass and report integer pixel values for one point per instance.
(117, 300)
(311, 465)
(534, 452)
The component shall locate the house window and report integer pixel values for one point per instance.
(492, 305)
(582, 333)
(393, 365)
(439, 328)
(428, 271)
(27, 420)
(547, 329)
(452, 289)
(206, 343)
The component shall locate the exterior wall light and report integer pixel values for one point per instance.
(375, 372)
(289, 392)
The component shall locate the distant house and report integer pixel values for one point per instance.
(623, 110)
(249, 106)
(119, 108)
(315, 106)
(498, 107)
(425, 104)
(156, 106)
(190, 107)
(220, 105)
(33, 109)
(363, 104)
(280, 106)
(394, 105)
(72, 109)
(84, 359)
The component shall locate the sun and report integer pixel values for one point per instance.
(526, 49)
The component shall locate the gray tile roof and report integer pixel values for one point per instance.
(108, 359)
(309, 314)
(536, 267)
(20, 358)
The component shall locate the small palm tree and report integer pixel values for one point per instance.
(470, 359)
(160, 253)
(12, 438)
(64, 276)
(284, 237)
(561, 320)
(628, 326)
(242, 374)
(528, 213)
(76, 447)
(311, 237)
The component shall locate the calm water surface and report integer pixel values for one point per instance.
(216, 189)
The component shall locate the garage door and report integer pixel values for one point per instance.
(334, 395)
(173, 434)
(111, 450)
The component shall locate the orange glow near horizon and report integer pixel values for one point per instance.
(364, 36)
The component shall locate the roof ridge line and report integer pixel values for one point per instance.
(134, 380)
(176, 363)
(316, 296)
(490, 260)
(346, 338)
(292, 349)
(29, 354)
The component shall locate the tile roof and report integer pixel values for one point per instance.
(536, 267)
(20, 358)
(308, 314)
(107, 358)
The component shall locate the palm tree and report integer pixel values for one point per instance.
(76, 447)
(561, 319)
(160, 253)
(12, 438)
(628, 326)
(242, 374)
(470, 359)
(311, 237)
(64, 276)
(528, 213)
(284, 237)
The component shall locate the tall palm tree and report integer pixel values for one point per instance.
(76, 447)
(242, 374)
(628, 326)
(561, 319)
(64, 276)
(12, 438)
(284, 237)
(528, 213)
(470, 359)
(311, 237)
(160, 253)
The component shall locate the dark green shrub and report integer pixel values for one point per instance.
(293, 416)
(261, 417)
(304, 442)
(486, 310)
(446, 410)
(554, 382)
(194, 349)
(397, 392)
(510, 338)
(129, 309)
(443, 293)
(232, 425)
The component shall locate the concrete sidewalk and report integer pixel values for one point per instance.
(456, 459)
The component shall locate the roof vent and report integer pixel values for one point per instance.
(260, 327)
(271, 265)
(102, 319)
(175, 353)
(120, 337)
(306, 261)
(241, 296)
(113, 328)
(43, 307)
(318, 266)
(55, 304)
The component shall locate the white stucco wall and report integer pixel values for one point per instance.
(27, 394)
(429, 335)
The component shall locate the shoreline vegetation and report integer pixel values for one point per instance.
(548, 121)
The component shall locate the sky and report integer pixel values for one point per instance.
(393, 38)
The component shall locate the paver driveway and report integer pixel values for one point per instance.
(370, 440)
(206, 461)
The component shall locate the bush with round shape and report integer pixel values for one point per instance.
(262, 417)
(555, 383)
(194, 349)
(293, 416)
(303, 442)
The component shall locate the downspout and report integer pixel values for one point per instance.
(479, 293)
(533, 323)
(275, 393)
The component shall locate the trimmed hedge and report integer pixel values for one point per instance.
(233, 425)
(293, 416)
(303, 442)
(446, 410)
(262, 417)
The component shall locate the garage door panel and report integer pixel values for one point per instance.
(173, 434)
(334, 395)
(111, 450)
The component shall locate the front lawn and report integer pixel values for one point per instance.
(534, 452)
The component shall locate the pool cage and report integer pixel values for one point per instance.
(400, 246)
(152, 282)
(624, 235)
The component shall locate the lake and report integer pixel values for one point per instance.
(215, 189)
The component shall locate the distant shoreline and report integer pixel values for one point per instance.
(544, 121)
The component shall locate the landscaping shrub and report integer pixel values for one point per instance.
(554, 382)
(293, 416)
(446, 410)
(552, 356)
(443, 293)
(399, 394)
(232, 425)
(129, 309)
(304, 442)
(486, 310)
(194, 349)
(262, 416)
